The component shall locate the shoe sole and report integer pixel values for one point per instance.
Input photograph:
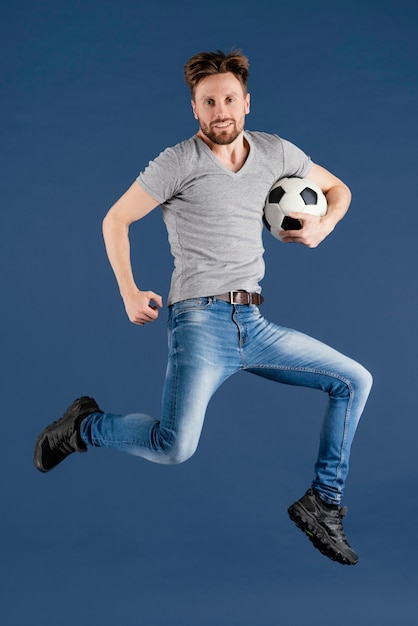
(319, 537)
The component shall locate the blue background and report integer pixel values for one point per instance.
(90, 92)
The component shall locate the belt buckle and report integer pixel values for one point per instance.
(249, 297)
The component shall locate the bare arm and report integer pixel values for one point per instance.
(316, 229)
(131, 207)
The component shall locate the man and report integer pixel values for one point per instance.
(212, 188)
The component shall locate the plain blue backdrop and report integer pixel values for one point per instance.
(90, 92)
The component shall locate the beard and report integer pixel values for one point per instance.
(222, 136)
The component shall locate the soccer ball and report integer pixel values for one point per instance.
(290, 195)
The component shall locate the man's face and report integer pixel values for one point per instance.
(220, 106)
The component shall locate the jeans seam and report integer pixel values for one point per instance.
(311, 370)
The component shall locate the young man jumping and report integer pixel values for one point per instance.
(212, 189)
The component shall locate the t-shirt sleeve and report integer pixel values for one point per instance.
(295, 161)
(161, 176)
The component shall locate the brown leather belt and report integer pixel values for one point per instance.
(241, 297)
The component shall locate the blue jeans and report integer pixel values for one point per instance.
(209, 340)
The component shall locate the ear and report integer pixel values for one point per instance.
(194, 109)
(247, 103)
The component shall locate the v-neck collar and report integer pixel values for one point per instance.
(219, 163)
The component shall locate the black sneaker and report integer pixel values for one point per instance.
(323, 526)
(62, 437)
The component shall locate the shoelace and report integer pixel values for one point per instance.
(334, 522)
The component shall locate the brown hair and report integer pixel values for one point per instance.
(207, 63)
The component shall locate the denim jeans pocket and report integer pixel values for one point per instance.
(187, 306)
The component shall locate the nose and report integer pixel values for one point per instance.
(220, 110)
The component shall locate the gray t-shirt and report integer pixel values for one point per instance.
(213, 215)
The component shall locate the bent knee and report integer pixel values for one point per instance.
(365, 379)
(178, 454)
(370, 379)
(355, 380)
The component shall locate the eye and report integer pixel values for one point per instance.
(209, 102)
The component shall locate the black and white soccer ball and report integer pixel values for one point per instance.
(289, 195)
